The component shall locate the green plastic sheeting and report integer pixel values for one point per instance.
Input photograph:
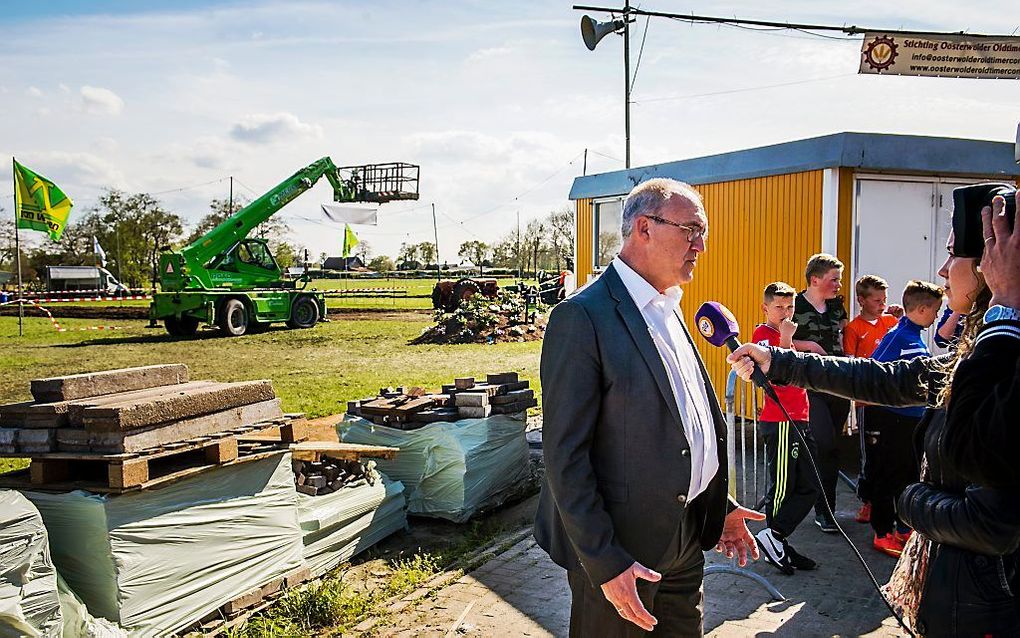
(450, 469)
(156, 561)
(337, 526)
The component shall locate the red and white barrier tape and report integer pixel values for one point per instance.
(56, 324)
(81, 299)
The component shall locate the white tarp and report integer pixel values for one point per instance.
(337, 526)
(367, 214)
(29, 604)
(450, 469)
(158, 560)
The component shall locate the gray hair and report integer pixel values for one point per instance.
(650, 196)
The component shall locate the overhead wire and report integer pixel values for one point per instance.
(741, 90)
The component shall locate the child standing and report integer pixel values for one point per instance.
(891, 462)
(792, 490)
(860, 338)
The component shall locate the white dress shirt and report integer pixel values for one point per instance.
(661, 312)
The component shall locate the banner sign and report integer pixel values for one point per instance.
(367, 214)
(954, 56)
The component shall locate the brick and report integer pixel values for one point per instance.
(501, 378)
(464, 383)
(471, 399)
(93, 384)
(474, 413)
(296, 577)
(242, 602)
(513, 397)
(36, 441)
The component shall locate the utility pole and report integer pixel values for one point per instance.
(435, 231)
(626, 76)
(584, 169)
(520, 273)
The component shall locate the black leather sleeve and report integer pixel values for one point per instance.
(983, 520)
(982, 434)
(897, 383)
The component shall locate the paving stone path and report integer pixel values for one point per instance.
(521, 592)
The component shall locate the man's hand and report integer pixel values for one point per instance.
(895, 310)
(736, 539)
(742, 359)
(621, 592)
(1000, 263)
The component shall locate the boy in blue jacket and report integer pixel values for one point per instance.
(894, 466)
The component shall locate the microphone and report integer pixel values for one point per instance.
(718, 325)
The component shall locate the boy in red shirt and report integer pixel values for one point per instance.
(860, 338)
(793, 488)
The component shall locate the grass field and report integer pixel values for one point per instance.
(314, 371)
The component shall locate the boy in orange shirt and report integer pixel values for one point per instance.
(860, 338)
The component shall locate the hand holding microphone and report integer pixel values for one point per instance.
(743, 360)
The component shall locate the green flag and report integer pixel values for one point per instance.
(38, 203)
(350, 240)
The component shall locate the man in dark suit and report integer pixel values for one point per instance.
(634, 441)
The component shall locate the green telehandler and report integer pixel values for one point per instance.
(232, 281)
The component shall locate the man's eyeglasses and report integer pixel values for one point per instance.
(694, 233)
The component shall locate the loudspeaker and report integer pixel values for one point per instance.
(592, 32)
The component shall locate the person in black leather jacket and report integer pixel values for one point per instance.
(967, 503)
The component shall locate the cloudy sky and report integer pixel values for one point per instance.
(495, 100)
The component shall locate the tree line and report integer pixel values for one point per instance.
(133, 228)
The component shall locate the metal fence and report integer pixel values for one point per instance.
(747, 475)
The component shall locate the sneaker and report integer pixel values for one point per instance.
(773, 550)
(826, 524)
(903, 537)
(798, 560)
(888, 544)
(864, 514)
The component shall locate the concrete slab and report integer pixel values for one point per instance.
(174, 406)
(93, 384)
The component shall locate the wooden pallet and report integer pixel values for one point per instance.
(117, 473)
(237, 611)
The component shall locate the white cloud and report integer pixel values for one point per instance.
(99, 101)
(482, 55)
(34, 91)
(70, 169)
(265, 128)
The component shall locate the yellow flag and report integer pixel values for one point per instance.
(350, 240)
(39, 204)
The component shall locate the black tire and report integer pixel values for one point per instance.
(184, 327)
(304, 313)
(233, 318)
(463, 289)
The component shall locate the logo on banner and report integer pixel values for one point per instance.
(880, 53)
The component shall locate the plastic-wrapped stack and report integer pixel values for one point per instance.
(157, 561)
(450, 469)
(337, 526)
(29, 604)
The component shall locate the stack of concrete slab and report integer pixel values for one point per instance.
(120, 411)
(120, 416)
(465, 398)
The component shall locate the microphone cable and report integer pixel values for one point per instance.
(766, 387)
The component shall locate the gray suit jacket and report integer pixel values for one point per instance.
(617, 461)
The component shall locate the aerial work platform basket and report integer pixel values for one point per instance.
(381, 183)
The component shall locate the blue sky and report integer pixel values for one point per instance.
(496, 101)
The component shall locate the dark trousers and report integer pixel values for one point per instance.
(828, 417)
(889, 464)
(676, 601)
(793, 488)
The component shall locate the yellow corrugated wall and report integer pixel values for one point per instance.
(583, 231)
(761, 230)
(845, 225)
